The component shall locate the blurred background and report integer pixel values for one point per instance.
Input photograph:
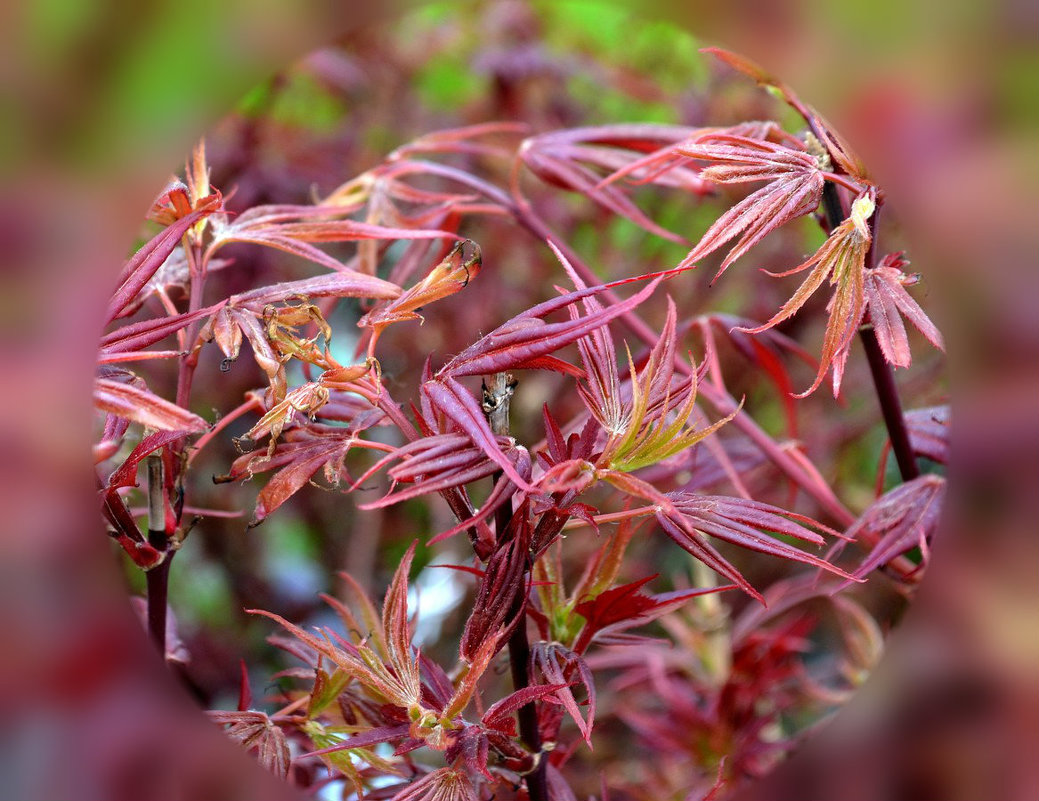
(105, 101)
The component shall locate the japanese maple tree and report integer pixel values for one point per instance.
(641, 445)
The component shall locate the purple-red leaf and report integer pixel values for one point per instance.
(337, 285)
(147, 332)
(559, 665)
(499, 714)
(146, 261)
(379, 734)
(904, 518)
(929, 432)
(502, 582)
(126, 474)
(257, 730)
(461, 407)
(142, 406)
(742, 522)
(625, 607)
(527, 337)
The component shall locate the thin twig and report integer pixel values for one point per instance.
(157, 579)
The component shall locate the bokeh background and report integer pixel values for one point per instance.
(103, 100)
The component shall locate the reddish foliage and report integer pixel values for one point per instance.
(628, 444)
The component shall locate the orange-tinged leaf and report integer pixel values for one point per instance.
(742, 64)
(478, 663)
(841, 259)
(372, 628)
(446, 278)
(263, 352)
(227, 333)
(603, 568)
(290, 479)
(396, 628)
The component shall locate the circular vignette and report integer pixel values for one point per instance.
(50, 560)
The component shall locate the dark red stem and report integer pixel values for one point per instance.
(158, 580)
(519, 665)
(496, 407)
(890, 404)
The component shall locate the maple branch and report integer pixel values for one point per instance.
(524, 214)
(157, 579)
(497, 396)
(883, 375)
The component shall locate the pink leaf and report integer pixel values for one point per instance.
(560, 665)
(887, 301)
(560, 158)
